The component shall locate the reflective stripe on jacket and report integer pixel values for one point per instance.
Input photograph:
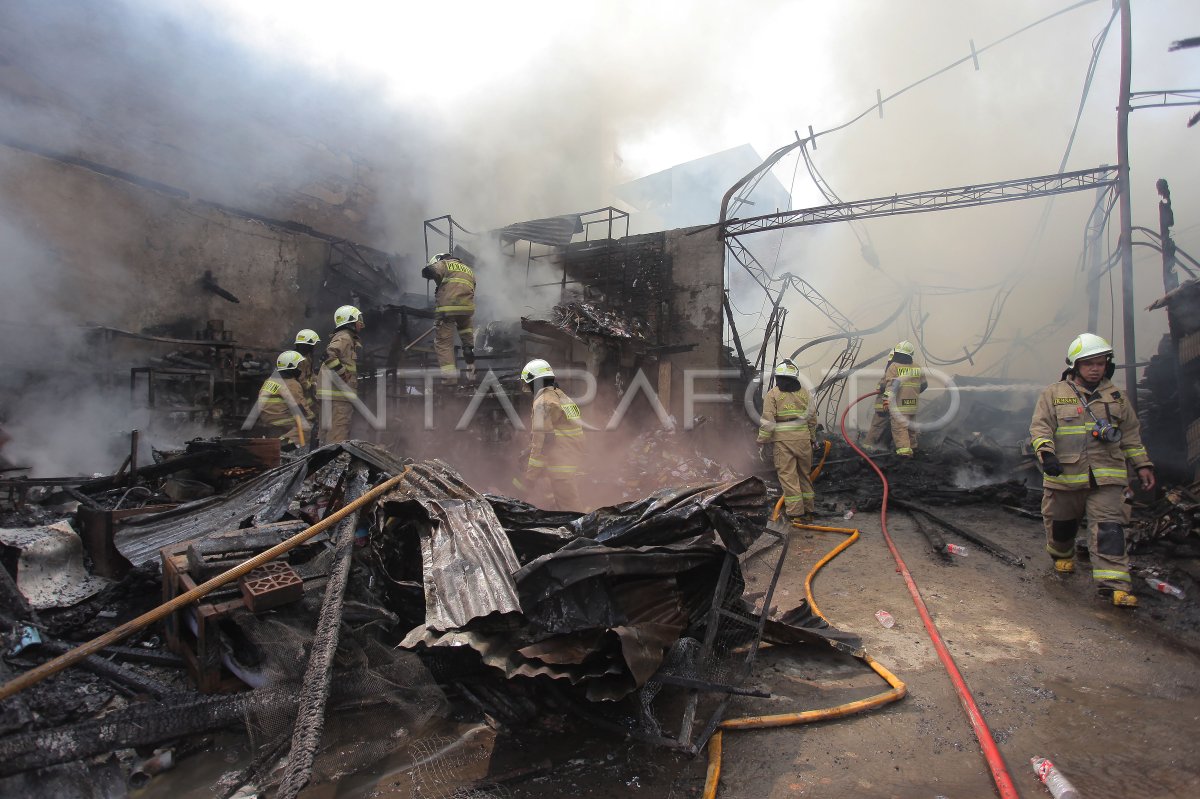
(557, 443)
(1061, 424)
(455, 287)
(787, 416)
(278, 399)
(341, 359)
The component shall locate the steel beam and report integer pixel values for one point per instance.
(923, 201)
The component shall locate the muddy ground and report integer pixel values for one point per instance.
(1112, 696)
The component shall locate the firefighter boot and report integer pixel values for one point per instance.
(1064, 565)
(1124, 599)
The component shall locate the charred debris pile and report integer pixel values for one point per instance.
(428, 605)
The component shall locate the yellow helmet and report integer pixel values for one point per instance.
(1087, 345)
(288, 359)
(786, 368)
(904, 348)
(307, 336)
(345, 315)
(535, 369)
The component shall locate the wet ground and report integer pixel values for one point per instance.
(1112, 697)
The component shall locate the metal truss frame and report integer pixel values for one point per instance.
(923, 201)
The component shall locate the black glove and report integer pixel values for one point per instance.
(1050, 464)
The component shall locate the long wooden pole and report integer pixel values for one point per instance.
(39, 673)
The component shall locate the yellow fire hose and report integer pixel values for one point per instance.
(897, 688)
(69, 658)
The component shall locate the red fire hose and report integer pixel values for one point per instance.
(987, 744)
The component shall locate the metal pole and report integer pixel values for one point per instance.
(1129, 344)
(1095, 239)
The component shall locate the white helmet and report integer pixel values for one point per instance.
(441, 256)
(1087, 345)
(288, 359)
(307, 336)
(345, 315)
(536, 369)
(786, 368)
(904, 348)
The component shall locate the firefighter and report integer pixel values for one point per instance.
(897, 401)
(556, 447)
(306, 344)
(454, 305)
(789, 423)
(1084, 434)
(282, 403)
(341, 361)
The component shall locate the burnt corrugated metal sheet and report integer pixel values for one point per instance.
(467, 560)
(258, 501)
(555, 231)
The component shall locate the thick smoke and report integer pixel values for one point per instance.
(579, 100)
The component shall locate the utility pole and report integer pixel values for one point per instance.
(1129, 344)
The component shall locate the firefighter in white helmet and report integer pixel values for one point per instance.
(897, 400)
(283, 410)
(454, 305)
(1086, 435)
(306, 344)
(338, 380)
(789, 424)
(556, 445)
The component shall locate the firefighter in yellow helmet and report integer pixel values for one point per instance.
(306, 344)
(454, 305)
(284, 410)
(556, 446)
(341, 362)
(896, 403)
(789, 423)
(1085, 435)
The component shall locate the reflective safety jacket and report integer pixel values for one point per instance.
(276, 411)
(1061, 424)
(556, 450)
(787, 416)
(455, 286)
(901, 385)
(307, 378)
(341, 359)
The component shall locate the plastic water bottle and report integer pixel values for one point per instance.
(1055, 781)
(1165, 587)
(885, 618)
(956, 549)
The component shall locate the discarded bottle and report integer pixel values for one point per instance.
(885, 618)
(956, 549)
(849, 514)
(1055, 781)
(1165, 587)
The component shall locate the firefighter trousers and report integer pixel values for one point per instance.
(793, 463)
(340, 414)
(893, 426)
(443, 341)
(1104, 507)
(565, 491)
